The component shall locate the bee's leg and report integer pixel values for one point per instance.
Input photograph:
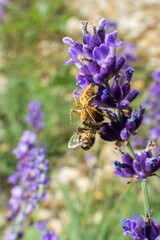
(75, 111)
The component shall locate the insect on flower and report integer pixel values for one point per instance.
(84, 135)
(91, 118)
(87, 112)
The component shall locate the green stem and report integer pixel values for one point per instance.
(145, 198)
(130, 150)
(107, 86)
(143, 185)
(111, 216)
(119, 115)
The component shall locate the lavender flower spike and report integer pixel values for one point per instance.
(152, 118)
(140, 230)
(98, 54)
(35, 115)
(3, 9)
(46, 235)
(143, 166)
(121, 130)
(30, 177)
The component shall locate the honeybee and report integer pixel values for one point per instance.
(87, 112)
(84, 136)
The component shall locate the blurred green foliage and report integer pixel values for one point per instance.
(28, 32)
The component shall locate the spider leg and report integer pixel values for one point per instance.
(76, 103)
(89, 101)
(74, 111)
(100, 105)
(90, 114)
(96, 110)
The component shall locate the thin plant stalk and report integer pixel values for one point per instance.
(143, 186)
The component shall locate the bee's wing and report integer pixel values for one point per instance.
(73, 141)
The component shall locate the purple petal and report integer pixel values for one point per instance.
(101, 30)
(108, 134)
(137, 166)
(41, 225)
(84, 69)
(141, 175)
(119, 172)
(117, 92)
(111, 37)
(132, 95)
(124, 104)
(151, 164)
(125, 134)
(94, 41)
(68, 40)
(127, 159)
(87, 50)
(119, 43)
(126, 170)
(105, 72)
(104, 50)
(98, 79)
(97, 53)
(86, 37)
(129, 73)
(126, 89)
(120, 63)
(84, 80)
(93, 67)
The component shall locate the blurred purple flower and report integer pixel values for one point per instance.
(152, 116)
(35, 115)
(30, 177)
(138, 142)
(3, 10)
(129, 53)
(110, 26)
(46, 235)
(140, 230)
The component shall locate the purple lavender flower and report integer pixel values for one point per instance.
(101, 67)
(143, 166)
(110, 26)
(99, 50)
(121, 129)
(140, 230)
(152, 118)
(29, 181)
(46, 235)
(35, 115)
(129, 53)
(138, 142)
(119, 94)
(3, 11)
